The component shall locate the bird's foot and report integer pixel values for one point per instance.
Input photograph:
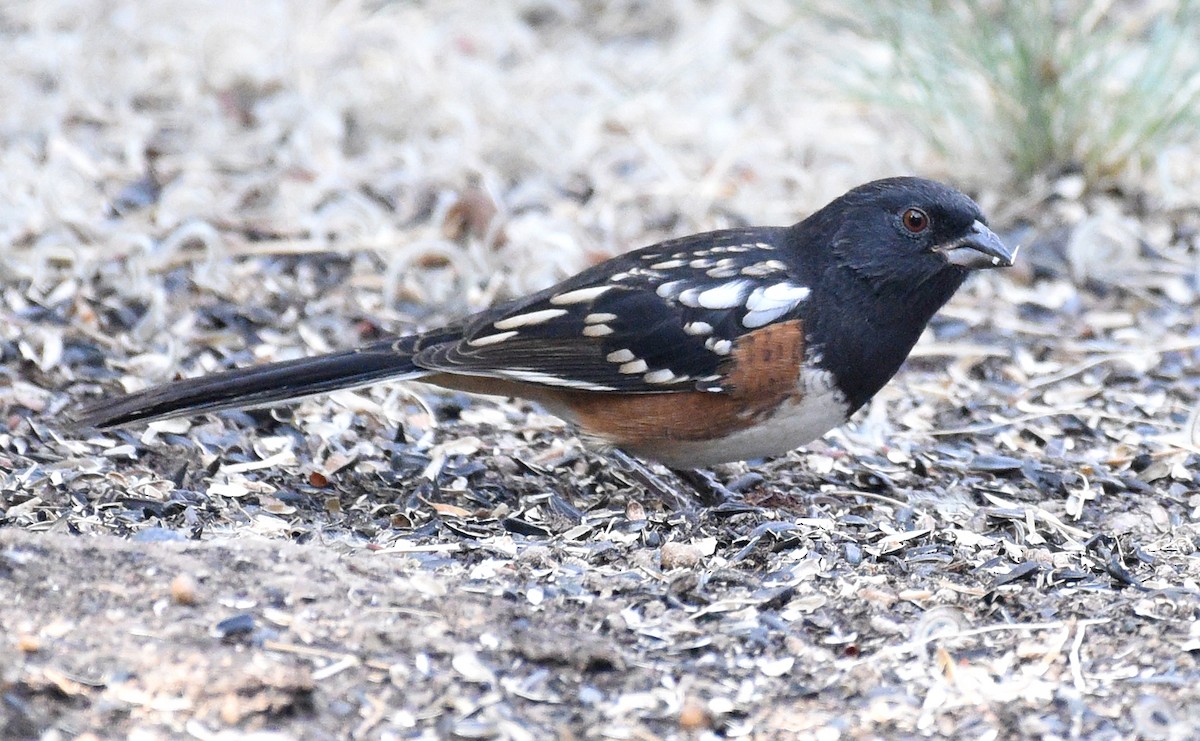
(709, 491)
(677, 500)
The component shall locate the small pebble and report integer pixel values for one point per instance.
(674, 555)
(852, 553)
(184, 590)
(234, 628)
(693, 716)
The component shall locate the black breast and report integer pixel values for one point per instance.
(863, 337)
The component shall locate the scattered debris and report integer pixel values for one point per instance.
(1011, 525)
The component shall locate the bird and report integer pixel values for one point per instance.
(729, 345)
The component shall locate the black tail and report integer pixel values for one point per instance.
(257, 386)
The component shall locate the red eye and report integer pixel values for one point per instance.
(915, 220)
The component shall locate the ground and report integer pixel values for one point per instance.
(1002, 545)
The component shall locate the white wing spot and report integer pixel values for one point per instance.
(579, 295)
(766, 267)
(660, 376)
(771, 297)
(597, 330)
(766, 304)
(721, 273)
(668, 265)
(689, 297)
(724, 296)
(634, 366)
(529, 319)
(667, 290)
(620, 356)
(786, 292)
(490, 339)
(598, 318)
(718, 346)
(702, 263)
(698, 328)
(763, 317)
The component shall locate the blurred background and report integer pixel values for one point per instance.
(187, 185)
(458, 150)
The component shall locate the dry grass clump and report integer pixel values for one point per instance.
(1109, 89)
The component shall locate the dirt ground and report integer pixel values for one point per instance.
(1002, 545)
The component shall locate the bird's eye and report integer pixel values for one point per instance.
(915, 220)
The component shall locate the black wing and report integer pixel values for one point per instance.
(663, 318)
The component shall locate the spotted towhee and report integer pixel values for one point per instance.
(723, 346)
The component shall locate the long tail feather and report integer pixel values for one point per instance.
(256, 386)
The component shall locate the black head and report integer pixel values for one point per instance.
(900, 234)
(891, 253)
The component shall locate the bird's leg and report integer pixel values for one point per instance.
(653, 482)
(712, 493)
(705, 487)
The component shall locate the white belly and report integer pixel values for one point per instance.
(817, 411)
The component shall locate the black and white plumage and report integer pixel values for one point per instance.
(720, 346)
(659, 319)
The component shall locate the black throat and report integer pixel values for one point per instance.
(862, 336)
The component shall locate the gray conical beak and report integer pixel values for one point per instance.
(981, 248)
